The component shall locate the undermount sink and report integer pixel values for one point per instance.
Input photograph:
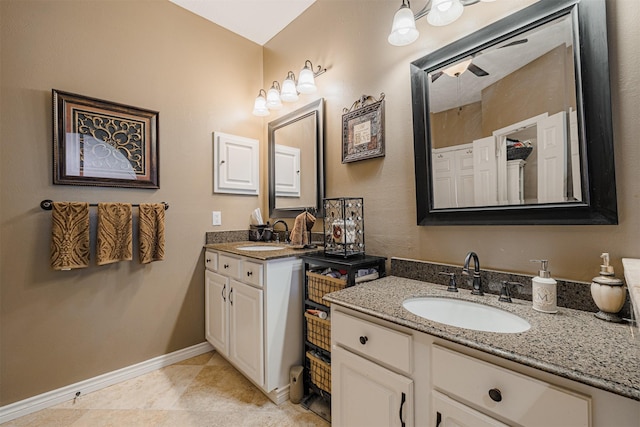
(466, 314)
(260, 248)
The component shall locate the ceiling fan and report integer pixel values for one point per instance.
(459, 68)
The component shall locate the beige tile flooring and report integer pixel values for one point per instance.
(202, 391)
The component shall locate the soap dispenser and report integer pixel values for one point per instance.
(608, 292)
(544, 290)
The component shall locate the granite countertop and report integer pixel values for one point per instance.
(288, 251)
(571, 343)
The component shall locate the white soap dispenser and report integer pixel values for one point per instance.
(608, 292)
(544, 290)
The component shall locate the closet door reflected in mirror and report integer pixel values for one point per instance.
(296, 164)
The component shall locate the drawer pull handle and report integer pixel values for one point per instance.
(495, 395)
(249, 273)
(404, 399)
(230, 295)
(224, 290)
(363, 340)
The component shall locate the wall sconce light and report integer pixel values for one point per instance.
(272, 100)
(438, 13)
(260, 104)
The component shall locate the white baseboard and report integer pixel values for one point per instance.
(63, 394)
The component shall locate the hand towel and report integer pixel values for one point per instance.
(151, 232)
(69, 235)
(303, 223)
(114, 233)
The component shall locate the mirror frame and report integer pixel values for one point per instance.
(594, 120)
(315, 108)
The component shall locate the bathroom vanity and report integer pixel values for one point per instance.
(392, 367)
(253, 311)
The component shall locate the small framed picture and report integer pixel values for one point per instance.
(102, 143)
(363, 130)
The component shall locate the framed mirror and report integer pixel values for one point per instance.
(296, 161)
(512, 124)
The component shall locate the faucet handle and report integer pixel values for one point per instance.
(505, 295)
(453, 287)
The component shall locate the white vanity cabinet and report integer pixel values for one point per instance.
(445, 384)
(253, 317)
(370, 365)
(453, 176)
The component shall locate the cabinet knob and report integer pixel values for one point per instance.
(363, 340)
(208, 260)
(249, 273)
(495, 395)
(226, 266)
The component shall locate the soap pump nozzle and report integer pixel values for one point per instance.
(605, 268)
(544, 268)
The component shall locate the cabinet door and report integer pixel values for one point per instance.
(552, 155)
(236, 164)
(485, 170)
(449, 413)
(465, 188)
(216, 288)
(444, 183)
(366, 394)
(246, 345)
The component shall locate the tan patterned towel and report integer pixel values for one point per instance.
(114, 233)
(69, 235)
(303, 223)
(151, 232)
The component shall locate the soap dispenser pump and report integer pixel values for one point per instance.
(608, 292)
(544, 289)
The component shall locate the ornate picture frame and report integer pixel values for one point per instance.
(363, 129)
(102, 143)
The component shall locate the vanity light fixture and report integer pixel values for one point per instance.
(273, 97)
(272, 100)
(260, 105)
(438, 13)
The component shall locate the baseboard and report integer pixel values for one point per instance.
(63, 394)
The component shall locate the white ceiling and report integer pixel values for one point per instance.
(256, 20)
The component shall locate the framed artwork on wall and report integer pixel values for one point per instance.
(102, 143)
(363, 129)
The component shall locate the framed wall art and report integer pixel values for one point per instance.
(363, 129)
(103, 143)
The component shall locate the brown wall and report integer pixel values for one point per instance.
(354, 47)
(58, 328)
(457, 125)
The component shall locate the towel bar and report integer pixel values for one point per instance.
(47, 205)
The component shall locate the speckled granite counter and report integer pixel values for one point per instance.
(573, 344)
(233, 247)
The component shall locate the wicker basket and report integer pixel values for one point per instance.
(318, 331)
(318, 285)
(320, 372)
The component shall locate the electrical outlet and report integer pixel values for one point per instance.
(216, 218)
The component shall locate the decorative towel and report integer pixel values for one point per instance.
(151, 232)
(303, 223)
(114, 233)
(69, 235)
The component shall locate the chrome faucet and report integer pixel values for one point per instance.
(286, 230)
(477, 282)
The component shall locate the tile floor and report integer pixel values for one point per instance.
(202, 391)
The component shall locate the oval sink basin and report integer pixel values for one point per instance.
(466, 314)
(260, 248)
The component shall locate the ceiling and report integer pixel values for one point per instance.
(256, 20)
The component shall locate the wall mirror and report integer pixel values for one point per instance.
(512, 124)
(296, 161)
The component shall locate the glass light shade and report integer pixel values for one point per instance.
(273, 99)
(288, 92)
(306, 81)
(260, 107)
(403, 29)
(444, 12)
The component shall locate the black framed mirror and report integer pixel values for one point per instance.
(296, 161)
(512, 124)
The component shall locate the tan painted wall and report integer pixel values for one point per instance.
(58, 328)
(350, 38)
(457, 125)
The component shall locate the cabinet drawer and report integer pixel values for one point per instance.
(518, 398)
(211, 260)
(252, 273)
(229, 266)
(374, 341)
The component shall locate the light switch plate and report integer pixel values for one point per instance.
(216, 218)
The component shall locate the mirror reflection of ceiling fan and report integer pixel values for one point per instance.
(459, 68)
